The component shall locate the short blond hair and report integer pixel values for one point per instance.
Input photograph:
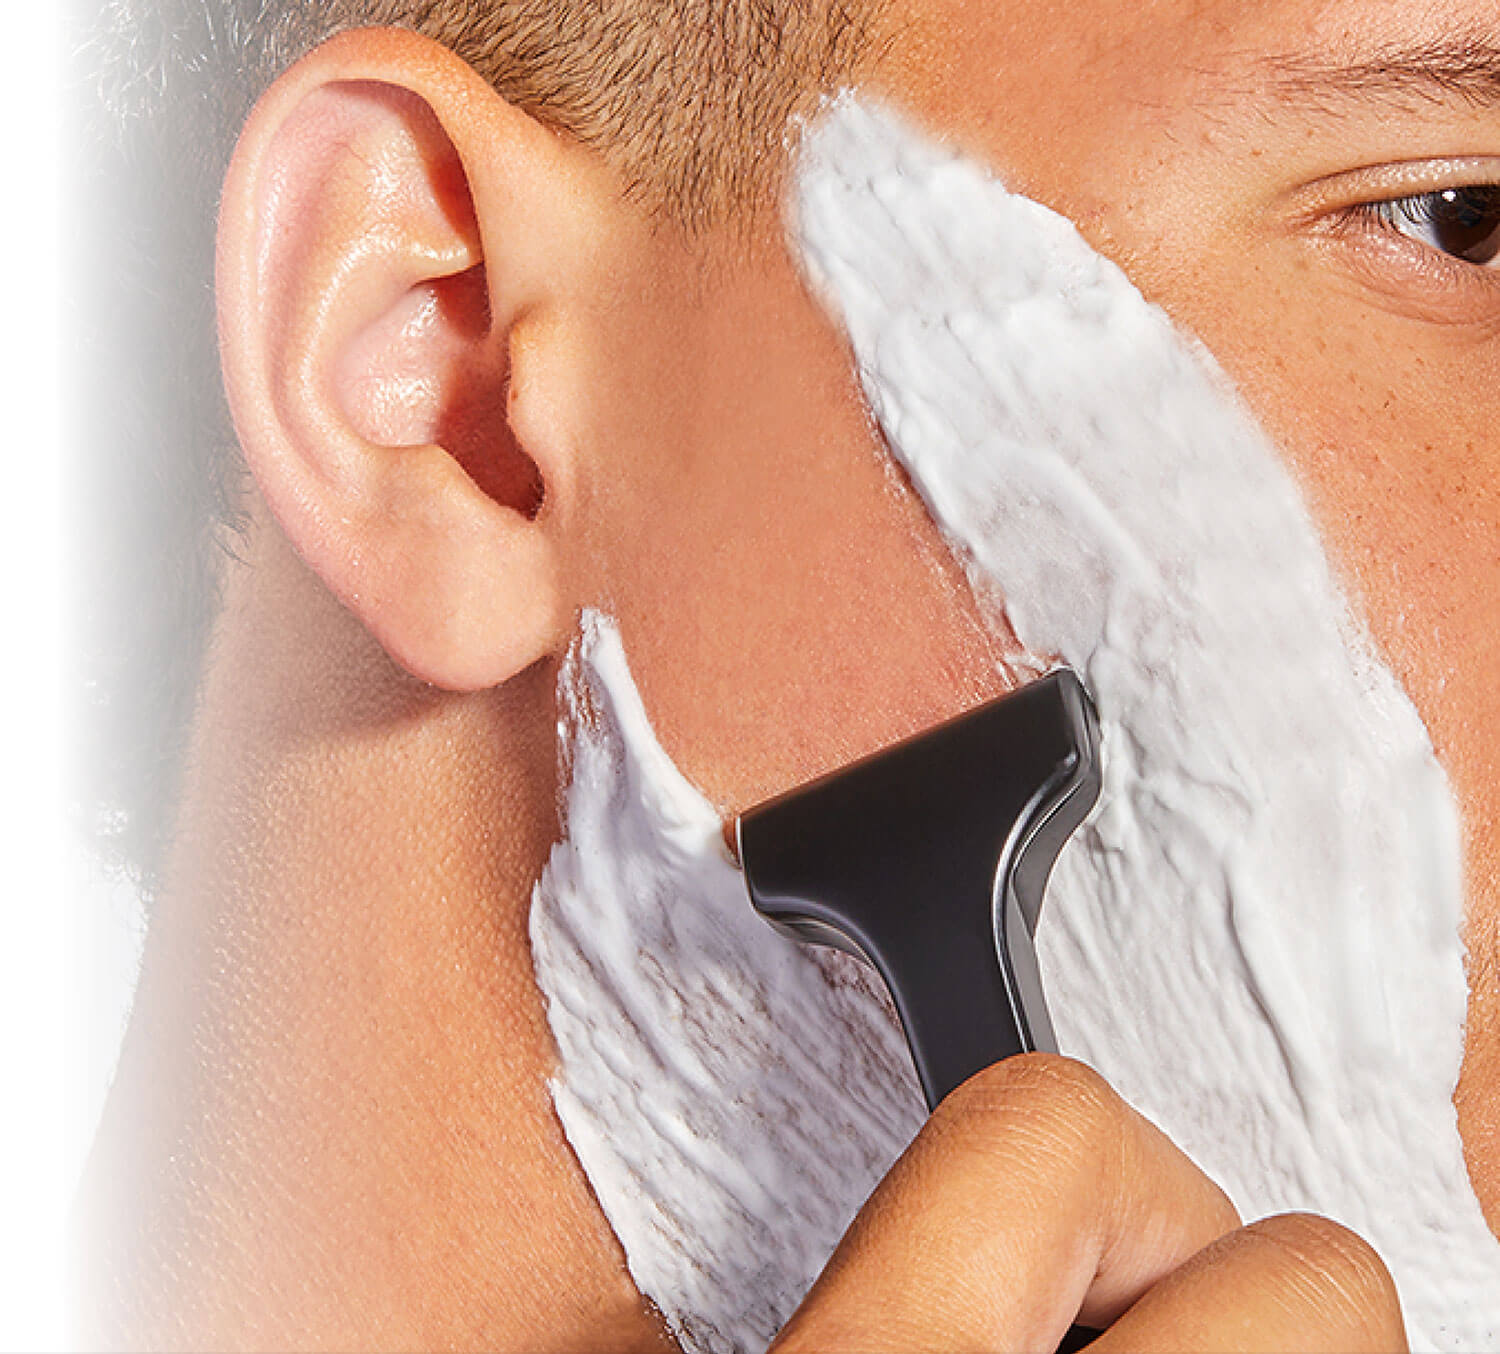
(691, 99)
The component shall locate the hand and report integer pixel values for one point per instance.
(1035, 1198)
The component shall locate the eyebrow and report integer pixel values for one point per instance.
(1465, 68)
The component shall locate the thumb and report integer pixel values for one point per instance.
(1033, 1198)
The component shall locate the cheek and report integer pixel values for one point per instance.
(786, 601)
(1388, 425)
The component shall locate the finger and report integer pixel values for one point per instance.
(1287, 1283)
(1032, 1198)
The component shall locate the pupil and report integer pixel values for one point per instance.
(1466, 222)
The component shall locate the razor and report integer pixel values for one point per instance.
(929, 860)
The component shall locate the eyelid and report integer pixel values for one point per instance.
(1386, 183)
(1397, 263)
(1337, 214)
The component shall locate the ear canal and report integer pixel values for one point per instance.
(474, 423)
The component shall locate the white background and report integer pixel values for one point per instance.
(34, 1157)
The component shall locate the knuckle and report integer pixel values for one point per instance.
(1039, 1096)
(1340, 1274)
(1039, 1079)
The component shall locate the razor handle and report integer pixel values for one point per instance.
(929, 861)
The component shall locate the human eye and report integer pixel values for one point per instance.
(1421, 238)
(1461, 222)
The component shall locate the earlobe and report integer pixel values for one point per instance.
(368, 337)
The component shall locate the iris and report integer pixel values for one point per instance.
(1461, 222)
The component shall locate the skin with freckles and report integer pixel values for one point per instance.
(480, 389)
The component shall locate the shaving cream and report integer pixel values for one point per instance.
(1255, 938)
(733, 1095)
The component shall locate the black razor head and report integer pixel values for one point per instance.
(929, 861)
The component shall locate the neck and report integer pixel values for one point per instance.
(336, 1021)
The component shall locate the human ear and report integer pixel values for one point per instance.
(394, 240)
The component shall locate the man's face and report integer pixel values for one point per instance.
(1232, 159)
(785, 600)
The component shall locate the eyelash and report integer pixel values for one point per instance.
(1394, 218)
